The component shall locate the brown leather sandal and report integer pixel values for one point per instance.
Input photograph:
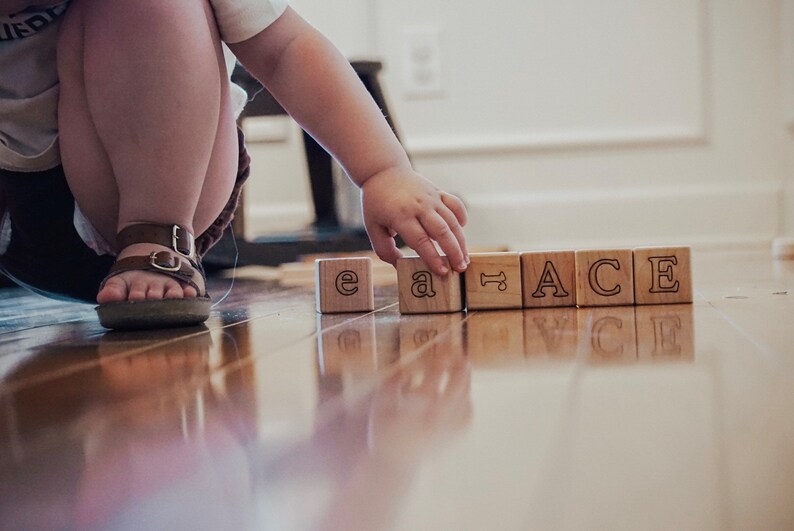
(184, 266)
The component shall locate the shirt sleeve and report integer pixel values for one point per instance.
(239, 20)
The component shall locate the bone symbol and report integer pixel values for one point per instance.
(500, 279)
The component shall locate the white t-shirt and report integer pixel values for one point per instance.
(29, 77)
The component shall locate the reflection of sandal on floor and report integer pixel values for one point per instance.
(182, 266)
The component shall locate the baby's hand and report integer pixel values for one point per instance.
(400, 201)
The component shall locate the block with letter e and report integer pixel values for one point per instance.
(344, 285)
(549, 279)
(662, 275)
(422, 291)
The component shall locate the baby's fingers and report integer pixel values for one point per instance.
(416, 237)
(456, 206)
(382, 240)
(448, 238)
(457, 230)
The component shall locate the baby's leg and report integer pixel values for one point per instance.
(147, 132)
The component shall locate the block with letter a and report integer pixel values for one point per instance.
(549, 279)
(422, 291)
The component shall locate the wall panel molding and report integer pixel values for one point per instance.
(528, 141)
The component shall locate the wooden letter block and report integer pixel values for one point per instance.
(604, 277)
(422, 291)
(662, 275)
(344, 285)
(493, 281)
(549, 279)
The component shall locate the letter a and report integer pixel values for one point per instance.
(549, 279)
(423, 285)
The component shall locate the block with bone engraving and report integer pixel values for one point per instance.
(493, 281)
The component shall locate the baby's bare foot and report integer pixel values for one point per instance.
(142, 285)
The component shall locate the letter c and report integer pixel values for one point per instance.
(593, 277)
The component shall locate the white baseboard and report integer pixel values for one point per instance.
(700, 215)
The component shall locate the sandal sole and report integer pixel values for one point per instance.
(160, 313)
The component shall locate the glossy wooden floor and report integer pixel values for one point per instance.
(271, 417)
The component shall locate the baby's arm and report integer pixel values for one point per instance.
(317, 86)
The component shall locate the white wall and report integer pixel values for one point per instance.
(583, 123)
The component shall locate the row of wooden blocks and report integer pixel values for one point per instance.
(513, 280)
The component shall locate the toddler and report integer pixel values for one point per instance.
(118, 144)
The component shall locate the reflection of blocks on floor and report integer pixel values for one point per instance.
(495, 338)
(442, 333)
(552, 333)
(665, 333)
(608, 335)
(422, 291)
(344, 285)
(549, 279)
(604, 277)
(346, 346)
(662, 275)
(493, 281)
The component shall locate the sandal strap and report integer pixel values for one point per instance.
(172, 236)
(164, 263)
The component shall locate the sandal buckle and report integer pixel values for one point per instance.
(164, 267)
(191, 242)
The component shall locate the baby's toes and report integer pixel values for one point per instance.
(173, 290)
(115, 290)
(156, 290)
(163, 287)
(139, 287)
